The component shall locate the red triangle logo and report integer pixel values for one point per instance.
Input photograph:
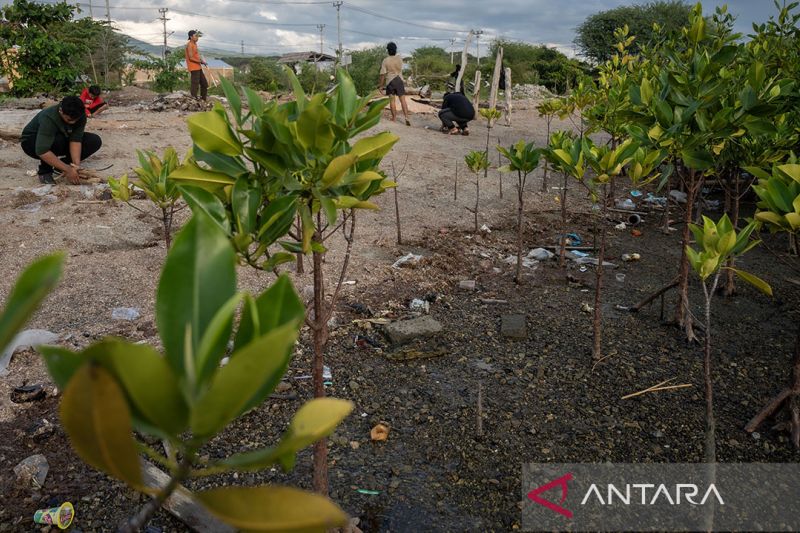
(560, 482)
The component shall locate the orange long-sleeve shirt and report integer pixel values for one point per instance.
(192, 57)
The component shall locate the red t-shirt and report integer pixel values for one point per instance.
(90, 101)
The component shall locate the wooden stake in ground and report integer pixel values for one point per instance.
(455, 183)
(396, 178)
(498, 67)
(464, 57)
(476, 95)
(508, 97)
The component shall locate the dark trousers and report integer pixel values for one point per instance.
(90, 144)
(199, 80)
(447, 117)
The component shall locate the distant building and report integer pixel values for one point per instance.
(296, 59)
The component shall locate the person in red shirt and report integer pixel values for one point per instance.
(93, 102)
(195, 65)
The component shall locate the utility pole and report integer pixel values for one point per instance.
(164, 19)
(338, 5)
(478, 34)
(320, 27)
(242, 47)
(452, 44)
(105, 42)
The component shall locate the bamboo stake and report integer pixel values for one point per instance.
(476, 95)
(464, 57)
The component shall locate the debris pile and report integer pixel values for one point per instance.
(523, 91)
(179, 100)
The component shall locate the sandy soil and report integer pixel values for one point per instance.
(543, 400)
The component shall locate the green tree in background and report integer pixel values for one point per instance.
(264, 74)
(365, 68)
(595, 36)
(42, 62)
(540, 65)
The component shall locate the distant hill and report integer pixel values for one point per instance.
(152, 49)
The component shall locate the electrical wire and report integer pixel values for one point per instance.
(401, 21)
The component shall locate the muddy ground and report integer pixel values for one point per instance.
(544, 399)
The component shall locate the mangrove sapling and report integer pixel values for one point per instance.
(523, 159)
(717, 242)
(476, 162)
(395, 177)
(605, 164)
(154, 179)
(490, 114)
(188, 397)
(548, 109)
(561, 140)
(779, 208)
(280, 160)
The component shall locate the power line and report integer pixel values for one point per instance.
(401, 21)
(182, 12)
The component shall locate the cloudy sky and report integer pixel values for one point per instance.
(274, 27)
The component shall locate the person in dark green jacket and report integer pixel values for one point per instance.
(56, 138)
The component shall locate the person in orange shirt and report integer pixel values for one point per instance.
(195, 64)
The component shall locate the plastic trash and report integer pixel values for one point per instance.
(60, 516)
(422, 306)
(620, 277)
(23, 339)
(408, 260)
(125, 313)
(485, 229)
(540, 254)
(593, 261)
(655, 200)
(467, 284)
(631, 257)
(41, 191)
(634, 219)
(578, 253)
(326, 373)
(621, 226)
(627, 203)
(573, 239)
(678, 196)
(635, 193)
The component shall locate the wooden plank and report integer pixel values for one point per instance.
(508, 97)
(182, 505)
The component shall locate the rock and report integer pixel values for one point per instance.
(283, 386)
(32, 471)
(354, 386)
(402, 331)
(513, 326)
(380, 432)
(467, 284)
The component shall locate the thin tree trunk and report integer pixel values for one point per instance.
(397, 215)
(455, 184)
(597, 323)
(520, 186)
(730, 277)
(320, 332)
(683, 314)
(299, 268)
(477, 199)
(546, 163)
(562, 251)
(710, 446)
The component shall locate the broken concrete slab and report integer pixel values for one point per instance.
(403, 331)
(513, 326)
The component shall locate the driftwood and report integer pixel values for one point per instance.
(657, 387)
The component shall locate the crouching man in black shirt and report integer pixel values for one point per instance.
(456, 112)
